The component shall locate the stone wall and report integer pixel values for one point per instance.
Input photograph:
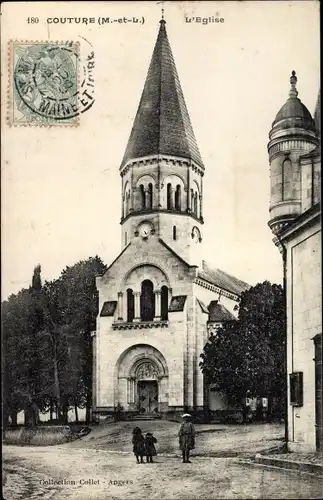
(304, 321)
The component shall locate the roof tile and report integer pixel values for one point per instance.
(162, 124)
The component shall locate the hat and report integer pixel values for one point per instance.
(186, 415)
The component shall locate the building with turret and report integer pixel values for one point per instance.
(295, 219)
(158, 298)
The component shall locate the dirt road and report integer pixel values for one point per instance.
(65, 473)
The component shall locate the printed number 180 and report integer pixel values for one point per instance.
(32, 20)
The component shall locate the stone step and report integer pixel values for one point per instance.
(146, 417)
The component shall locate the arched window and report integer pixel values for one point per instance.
(164, 303)
(192, 200)
(130, 305)
(195, 203)
(142, 196)
(150, 195)
(126, 204)
(287, 180)
(174, 233)
(178, 197)
(169, 196)
(147, 301)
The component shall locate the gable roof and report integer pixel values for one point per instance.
(162, 124)
(222, 280)
(218, 313)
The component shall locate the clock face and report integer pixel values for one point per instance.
(196, 235)
(145, 229)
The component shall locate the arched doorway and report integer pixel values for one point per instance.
(142, 380)
(146, 375)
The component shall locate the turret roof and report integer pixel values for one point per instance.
(294, 113)
(162, 124)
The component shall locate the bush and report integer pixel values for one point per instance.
(39, 436)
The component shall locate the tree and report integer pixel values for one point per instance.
(79, 309)
(22, 320)
(47, 362)
(248, 354)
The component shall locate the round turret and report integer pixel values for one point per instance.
(293, 133)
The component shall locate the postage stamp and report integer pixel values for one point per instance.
(47, 85)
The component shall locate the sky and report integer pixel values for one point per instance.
(61, 187)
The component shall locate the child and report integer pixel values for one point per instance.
(150, 447)
(138, 442)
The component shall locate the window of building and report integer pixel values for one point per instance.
(178, 197)
(195, 203)
(164, 303)
(169, 196)
(147, 301)
(150, 196)
(130, 306)
(142, 196)
(174, 233)
(287, 180)
(192, 200)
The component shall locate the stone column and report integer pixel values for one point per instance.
(172, 198)
(130, 390)
(132, 192)
(192, 200)
(157, 305)
(137, 306)
(147, 198)
(120, 306)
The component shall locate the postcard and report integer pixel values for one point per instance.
(161, 250)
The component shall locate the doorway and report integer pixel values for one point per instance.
(148, 396)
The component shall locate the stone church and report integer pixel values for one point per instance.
(158, 299)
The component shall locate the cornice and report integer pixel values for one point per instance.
(163, 211)
(209, 286)
(140, 325)
(300, 223)
(151, 160)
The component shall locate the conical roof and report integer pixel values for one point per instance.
(162, 124)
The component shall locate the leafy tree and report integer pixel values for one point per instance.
(21, 324)
(47, 361)
(248, 354)
(79, 309)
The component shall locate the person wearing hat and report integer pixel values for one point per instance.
(186, 437)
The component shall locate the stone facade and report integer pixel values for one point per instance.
(153, 299)
(295, 161)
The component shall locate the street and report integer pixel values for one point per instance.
(92, 468)
(97, 475)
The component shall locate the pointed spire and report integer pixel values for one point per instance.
(293, 80)
(162, 124)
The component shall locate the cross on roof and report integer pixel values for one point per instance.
(162, 9)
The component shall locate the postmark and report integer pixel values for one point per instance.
(49, 83)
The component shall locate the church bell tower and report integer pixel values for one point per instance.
(162, 170)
